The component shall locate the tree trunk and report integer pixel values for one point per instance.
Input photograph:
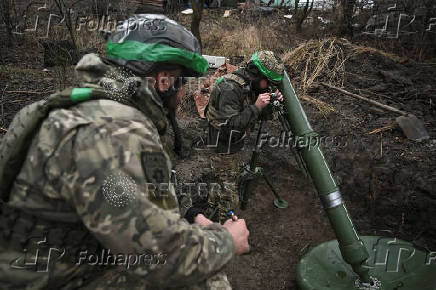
(6, 14)
(347, 17)
(196, 18)
(65, 11)
(302, 15)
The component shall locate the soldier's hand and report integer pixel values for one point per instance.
(238, 230)
(279, 95)
(203, 221)
(263, 101)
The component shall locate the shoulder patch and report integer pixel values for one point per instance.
(119, 189)
(154, 165)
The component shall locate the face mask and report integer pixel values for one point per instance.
(168, 95)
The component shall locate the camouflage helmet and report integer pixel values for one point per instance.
(269, 65)
(145, 41)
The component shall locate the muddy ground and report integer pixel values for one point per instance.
(388, 181)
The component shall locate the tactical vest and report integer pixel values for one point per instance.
(213, 114)
(219, 135)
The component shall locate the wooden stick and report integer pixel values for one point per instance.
(382, 129)
(378, 95)
(386, 107)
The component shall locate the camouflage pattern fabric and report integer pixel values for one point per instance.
(220, 202)
(230, 112)
(184, 199)
(97, 177)
(271, 62)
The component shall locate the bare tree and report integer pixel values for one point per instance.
(301, 14)
(6, 15)
(65, 12)
(347, 17)
(197, 8)
(101, 8)
(173, 6)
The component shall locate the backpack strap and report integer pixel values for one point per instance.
(232, 77)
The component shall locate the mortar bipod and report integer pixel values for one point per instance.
(250, 172)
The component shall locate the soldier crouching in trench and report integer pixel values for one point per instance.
(237, 101)
(76, 170)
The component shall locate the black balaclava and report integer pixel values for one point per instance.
(257, 77)
(167, 95)
(172, 91)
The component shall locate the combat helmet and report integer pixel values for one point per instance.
(146, 40)
(269, 65)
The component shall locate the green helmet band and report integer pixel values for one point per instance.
(269, 74)
(157, 52)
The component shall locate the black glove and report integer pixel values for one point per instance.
(192, 213)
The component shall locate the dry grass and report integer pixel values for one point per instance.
(358, 49)
(242, 34)
(86, 40)
(324, 60)
(241, 41)
(323, 107)
(318, 59)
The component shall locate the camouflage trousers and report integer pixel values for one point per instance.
(221, 201)
(117, 280)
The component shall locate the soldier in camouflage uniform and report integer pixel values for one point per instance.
(235, 104)
(86, 198)
(238, 98)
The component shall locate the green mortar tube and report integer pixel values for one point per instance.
(351, 246)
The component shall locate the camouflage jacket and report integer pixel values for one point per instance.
(97, 180)
(231, 111)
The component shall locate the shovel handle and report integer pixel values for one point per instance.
(383, 106)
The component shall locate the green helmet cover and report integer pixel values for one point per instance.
(271, 75)
(145, 40)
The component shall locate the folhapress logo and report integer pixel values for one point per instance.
(40, 259)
